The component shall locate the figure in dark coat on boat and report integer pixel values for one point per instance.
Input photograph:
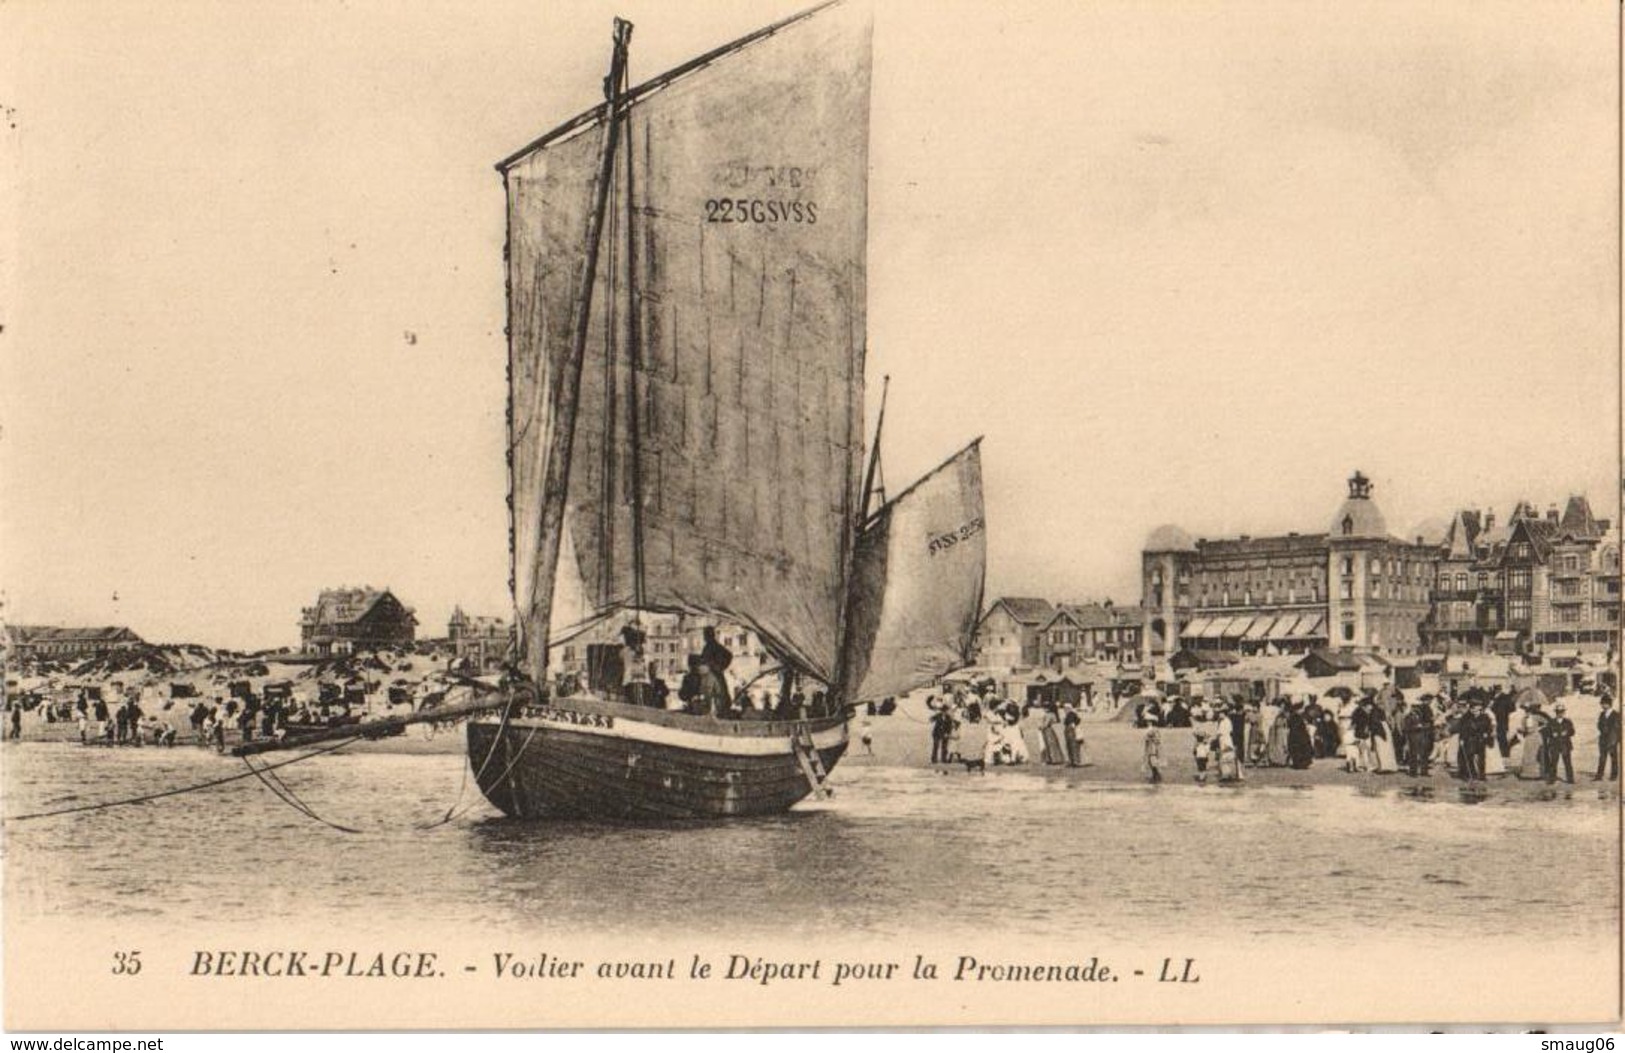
(714, 661)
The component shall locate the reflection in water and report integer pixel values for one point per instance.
(898, 851)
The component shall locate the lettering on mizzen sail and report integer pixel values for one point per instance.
(763, 194)
(944, 542)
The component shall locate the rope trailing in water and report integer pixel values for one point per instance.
(284, 792)
(144, 798)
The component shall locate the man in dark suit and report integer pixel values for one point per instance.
(1559, 735)
(1418, 731)
(1503, 706)
(1607, 739)
(1476, 732)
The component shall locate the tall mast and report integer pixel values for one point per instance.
(634, 352)
(556, 485)
(874, 455)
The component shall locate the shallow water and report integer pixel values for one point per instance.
(897, 851)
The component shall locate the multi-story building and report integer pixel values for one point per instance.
(1088, 632)
(346, 620)
(485, 641)
(1541, 585)
(1008, 636)
(1354, 586)
(29, 643)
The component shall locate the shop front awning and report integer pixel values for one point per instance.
(1198, 629)
(1260, 629)
(1291, 627)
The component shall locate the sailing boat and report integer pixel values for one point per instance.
(686, 301)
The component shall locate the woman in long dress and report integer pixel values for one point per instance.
(1049, 736)
(1494, 763)
(1275, 751)
(1533, 742)
(1384, 760)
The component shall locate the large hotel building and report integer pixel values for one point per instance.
(1538, 584)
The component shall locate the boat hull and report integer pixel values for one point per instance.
(606, 760)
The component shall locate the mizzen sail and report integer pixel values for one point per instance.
(917, 583)
(733, 268)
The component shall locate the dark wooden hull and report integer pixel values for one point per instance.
(586, 759)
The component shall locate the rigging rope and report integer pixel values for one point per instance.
(175, 792)
(462, 786)
(523, 746)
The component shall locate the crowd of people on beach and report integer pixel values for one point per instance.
(1060, 731)
(1473, 736)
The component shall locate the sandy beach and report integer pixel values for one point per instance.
(1114, 754)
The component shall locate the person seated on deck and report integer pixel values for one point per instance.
(659, 693)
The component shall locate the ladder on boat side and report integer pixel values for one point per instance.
(812, 765)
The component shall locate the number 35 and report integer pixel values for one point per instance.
(126, 963)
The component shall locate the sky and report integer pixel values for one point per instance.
(1178, 262)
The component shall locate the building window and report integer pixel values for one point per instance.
(1518, 611)
(1461, 582)
(1483, 579)
(1519, 579)
(1348, 631)
(1347, 592)
(1348, 565)
(1571, 563)
(1348, 525)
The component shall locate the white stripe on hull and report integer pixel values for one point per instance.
(682, 738)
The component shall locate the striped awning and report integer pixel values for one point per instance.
(1261, 628)
(1200, 629)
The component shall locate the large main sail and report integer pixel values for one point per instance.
(917, 583)
(731, 271)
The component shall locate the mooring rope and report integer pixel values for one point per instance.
(453, 812)
(180, 790)
(274, 783)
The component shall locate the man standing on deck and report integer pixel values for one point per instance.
(715, 658)
(1607, 739)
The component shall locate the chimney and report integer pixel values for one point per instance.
(1553, 516)
(1489, 522)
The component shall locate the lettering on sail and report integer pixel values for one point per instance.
(765, 194)
(943, 542)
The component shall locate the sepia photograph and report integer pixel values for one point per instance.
(632, 515)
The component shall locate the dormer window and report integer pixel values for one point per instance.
(1348, 525)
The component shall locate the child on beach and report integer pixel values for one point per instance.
(1153, 755)
(1199, 749)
